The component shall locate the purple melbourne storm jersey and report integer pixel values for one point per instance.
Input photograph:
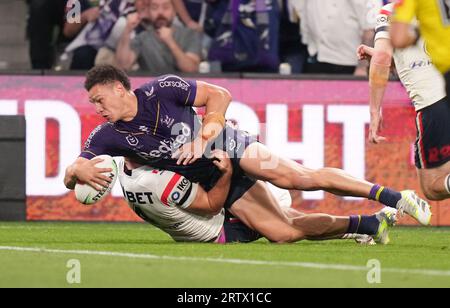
(164, 122)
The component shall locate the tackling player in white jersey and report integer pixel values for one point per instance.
(187, 213)
(426, 88)
(162, 198)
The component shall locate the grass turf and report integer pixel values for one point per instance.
(411, 249)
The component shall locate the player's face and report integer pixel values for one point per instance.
(108, 101)
(161, 13)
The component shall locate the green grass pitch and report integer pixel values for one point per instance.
(138, 255)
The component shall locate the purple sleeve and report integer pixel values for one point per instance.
(175, 89)
(97, 143)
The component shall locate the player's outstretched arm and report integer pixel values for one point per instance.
(84, 170)
(212, 202)
(380, 67)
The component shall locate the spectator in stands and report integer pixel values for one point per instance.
(107, 53)
(189, 12)
(44, 17)
(291, 49)
(93, 36)
(332, 29)
(164, 47)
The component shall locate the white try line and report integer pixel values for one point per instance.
(115, 228)
(321, 266)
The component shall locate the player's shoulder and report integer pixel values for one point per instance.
(164, 83)
(100, 130)
(173, 88)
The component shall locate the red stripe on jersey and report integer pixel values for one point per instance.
(384, 12)
(169, 188)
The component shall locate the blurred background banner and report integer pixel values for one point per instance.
(317, 122)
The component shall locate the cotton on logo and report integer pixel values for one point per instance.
(179, 83)
(73, 15)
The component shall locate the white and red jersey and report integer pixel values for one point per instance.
(423, 82)
(162, 197)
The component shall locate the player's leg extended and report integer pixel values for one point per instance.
(259, 210)
(361, 228)
(435, 182)
(260, 163)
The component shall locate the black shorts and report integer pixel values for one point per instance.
(235, 142)
(238, 232)
(432, 148)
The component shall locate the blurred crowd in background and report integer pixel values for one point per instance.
(191, 36)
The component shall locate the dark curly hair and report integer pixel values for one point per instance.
(105, 74)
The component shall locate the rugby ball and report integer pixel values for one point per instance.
(88, 195)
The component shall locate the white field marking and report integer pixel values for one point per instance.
(321, 266)
(110, 228)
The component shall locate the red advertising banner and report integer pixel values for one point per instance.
(318, 123)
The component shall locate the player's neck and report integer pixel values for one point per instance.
(131, 107)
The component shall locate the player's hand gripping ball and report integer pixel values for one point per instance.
(87, 194)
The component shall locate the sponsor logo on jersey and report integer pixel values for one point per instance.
(150, 93)
(132, 140)
(176, 196)
(174, 82)
(167, 121)
(141, 198)
(383, 20)
(168, 146)
(184, 185)
(87, 144)
(420, 64)
(144, 129)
